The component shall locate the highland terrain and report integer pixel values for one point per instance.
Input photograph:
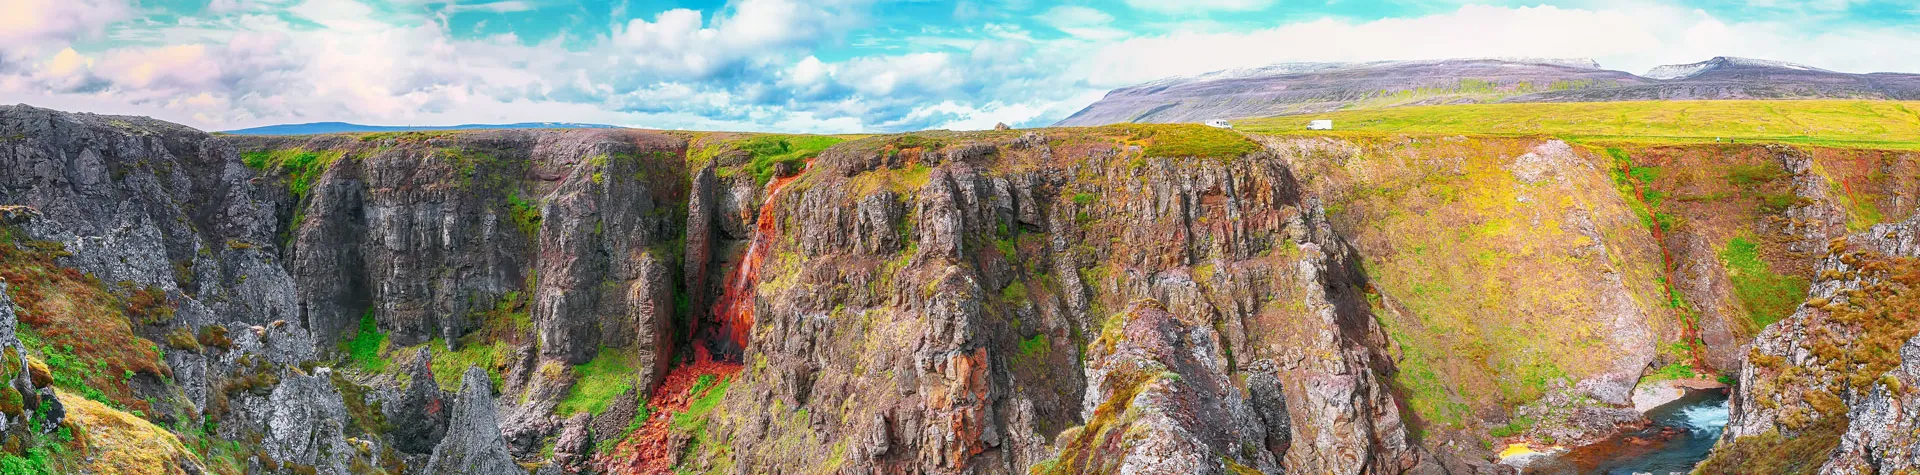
(1428, 289)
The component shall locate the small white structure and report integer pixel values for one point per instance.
(1322, 124)
(1219, 124)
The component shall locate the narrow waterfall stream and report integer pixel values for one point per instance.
(734, 311)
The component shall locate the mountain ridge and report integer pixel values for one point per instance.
(1299, 88)
(313, 128)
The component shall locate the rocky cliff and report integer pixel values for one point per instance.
(1826, 389)
(1153, 299)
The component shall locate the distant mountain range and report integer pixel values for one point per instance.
(1299, 88)
(343, 127)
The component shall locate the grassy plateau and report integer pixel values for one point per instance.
(1834, 123)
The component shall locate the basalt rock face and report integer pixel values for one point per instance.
(925, 308)
(1884, 435)
(1829, 386)
(992, 302)
(1161, 402)
(473, 445)
(420, 414)
(151, 203)
(426, 232)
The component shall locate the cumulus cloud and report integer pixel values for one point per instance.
(1199, 6)
(27, 22)
(781, 64)
(1632, 37)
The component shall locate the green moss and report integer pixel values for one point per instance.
(1773, 453)
(767, 152)
(598, 381)
(1015, 292)
(1676, 370)
(35, 462)
(302, 168)
(1516, 426)
(1188, 140)
(1767, 296)
(450, 366)
(363, 351)
(1034, 350)
(525, 213)
(711, 391)
(1756, 174)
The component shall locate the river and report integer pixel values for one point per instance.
(1682, 433)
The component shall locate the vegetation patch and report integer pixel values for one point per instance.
(710, 390)
(1767, 296)
(80, 328)
(450, 366)
(301, 167)
(1776, 454)
(1186, 140)
(364, 350)
(1833, 123)
(765, 153)
(525, 213)
(598, 382)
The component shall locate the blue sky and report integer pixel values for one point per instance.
(822, 65)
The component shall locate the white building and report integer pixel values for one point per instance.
(1219, 124)
(1322, 124)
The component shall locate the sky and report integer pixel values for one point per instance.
(823, 66)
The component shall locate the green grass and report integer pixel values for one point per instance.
(694, 419)
(1676, 370)
(607, 376)
(768, 152)
(1034, 349)
(1015, 292)
(1187, 140)
(1768, 296)
(525, 213)
(450, 366)
(1838, 123)
(34, 463)
(363, 351)
(1518, 425)
(301, 167)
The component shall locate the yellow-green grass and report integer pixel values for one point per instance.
(609, 375)
(1834, 123)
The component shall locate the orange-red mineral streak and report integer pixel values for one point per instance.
(734, 311)
(649, 450)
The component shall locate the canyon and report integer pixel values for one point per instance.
(1131, 298)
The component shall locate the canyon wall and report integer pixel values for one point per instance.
(1163, 299)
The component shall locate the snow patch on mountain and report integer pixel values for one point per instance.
(1281, 69)
(1682, 71)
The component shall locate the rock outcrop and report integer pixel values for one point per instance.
(473, 445)
(1826, 385)
(421, 413)
(1160, 401)
(1883, 435)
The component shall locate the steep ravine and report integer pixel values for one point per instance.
(1157, 299)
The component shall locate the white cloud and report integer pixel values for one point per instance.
(766, 64)
(1074, 15)
(30, 25)
(1081, 22)
(1632, 37)
(1199, 6)
(504, 6)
